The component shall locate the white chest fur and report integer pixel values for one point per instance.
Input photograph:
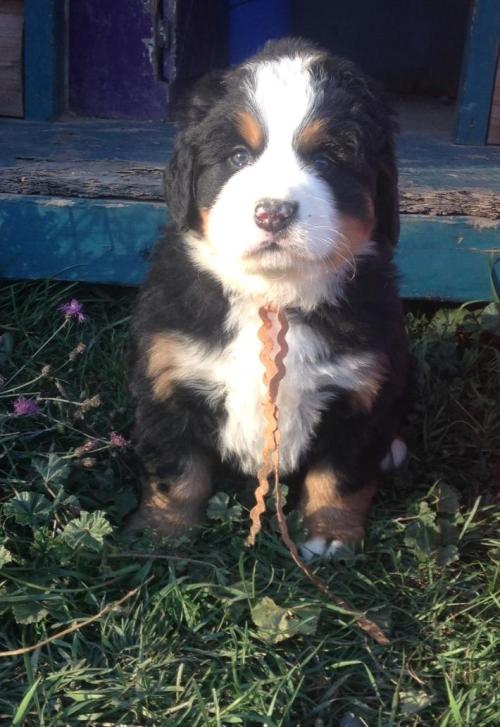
(303, 392)
(234, 374)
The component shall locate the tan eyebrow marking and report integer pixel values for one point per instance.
(251, 130)
(312, 136)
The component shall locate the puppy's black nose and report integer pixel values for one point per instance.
(274, 214)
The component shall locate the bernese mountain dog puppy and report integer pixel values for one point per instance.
(282, 189)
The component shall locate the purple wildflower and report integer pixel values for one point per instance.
(117, 440)
(25, 407)
(73, 309)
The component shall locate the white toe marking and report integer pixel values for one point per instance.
(395, 456)
(334, 547)
(312, 548)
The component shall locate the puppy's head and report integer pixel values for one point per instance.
(283, 165)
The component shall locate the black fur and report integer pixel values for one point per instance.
(179, 297)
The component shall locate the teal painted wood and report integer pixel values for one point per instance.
(447, 258)
(44, 62)
(478, 73)
(85, 139)
(97, 241)
(104, 241)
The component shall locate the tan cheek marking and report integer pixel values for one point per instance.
(313, 136)
(355, 234)
(357, 231)
(330, 513)
(366, 395)
(204, 218)
(250, 130)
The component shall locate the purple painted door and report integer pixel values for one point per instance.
(126, 59)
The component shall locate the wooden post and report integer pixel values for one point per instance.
(478, 73)
(44, 61)
(11, 60)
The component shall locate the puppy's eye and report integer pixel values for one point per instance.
(240, 157)
(322, 163)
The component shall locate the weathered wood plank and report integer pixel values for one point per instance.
(479, 65)
(144, 182)
(11, 56)
(108, 242)
(94, 180)
(125, 161)
(84, 140)
(494, 123)
(418, 200)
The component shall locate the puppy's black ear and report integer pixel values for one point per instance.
(387, 201)
(203, 95)
(179, 184)
(180, 173)
(386, 192)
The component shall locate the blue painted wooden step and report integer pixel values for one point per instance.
(109, 240)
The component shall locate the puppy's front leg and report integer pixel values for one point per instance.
(174, 498)
(333, 514)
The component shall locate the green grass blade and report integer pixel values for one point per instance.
(25, 704)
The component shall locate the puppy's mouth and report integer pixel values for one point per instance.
(276, 243)
(268, 246)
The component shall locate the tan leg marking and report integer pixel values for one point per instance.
(162, 364)
(330, 514)
(173, 506)
(175, 359)
(365, 396)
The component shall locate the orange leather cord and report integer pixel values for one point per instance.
(274, 351)
(273, 355)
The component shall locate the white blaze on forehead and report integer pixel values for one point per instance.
(284, 96)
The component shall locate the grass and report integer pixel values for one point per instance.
(217, 634)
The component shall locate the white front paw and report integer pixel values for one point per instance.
(318, 547)
(395, 456)
(313, 548)
(335, 548)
